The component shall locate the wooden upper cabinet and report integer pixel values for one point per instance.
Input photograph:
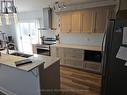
(76, 22)
(87, 20)
(65, 22)
(70, 22)
(101, 18)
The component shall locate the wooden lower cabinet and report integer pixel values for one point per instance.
(92, 66)
(57, 52)
(74, 58)
(77, 54)
(74, 63)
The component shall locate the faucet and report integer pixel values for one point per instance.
(8, 44)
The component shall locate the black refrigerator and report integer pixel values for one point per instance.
(114, 73)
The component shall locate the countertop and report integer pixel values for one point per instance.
(5, 51)
(84, 47)
(36, 59)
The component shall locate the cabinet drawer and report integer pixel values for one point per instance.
(92, 66)
(74, 63)
(74, 53)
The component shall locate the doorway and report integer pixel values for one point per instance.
(27, 35)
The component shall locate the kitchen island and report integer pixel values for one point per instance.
(42, 76)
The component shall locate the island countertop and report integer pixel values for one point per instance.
(37, 60)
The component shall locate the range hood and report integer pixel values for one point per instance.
(47, 19)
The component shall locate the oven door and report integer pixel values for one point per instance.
(45, 50)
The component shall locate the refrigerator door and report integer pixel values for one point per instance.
(114, 80)
(108, 39)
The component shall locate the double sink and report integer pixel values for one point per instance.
(21, 54)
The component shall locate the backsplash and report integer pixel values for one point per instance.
(81, 38)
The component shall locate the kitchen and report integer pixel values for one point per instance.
(67, 39)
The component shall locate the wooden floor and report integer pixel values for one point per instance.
(77, 82)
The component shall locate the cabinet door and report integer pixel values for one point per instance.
(74, 63)
(57, 52)
(101, 18)
(92, 66)
(65, 22)
(53, 51)
(76, 22)
(60, 55)
(87, 20)
(73, 57)
(77, 54)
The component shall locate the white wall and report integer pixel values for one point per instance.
(26, 16)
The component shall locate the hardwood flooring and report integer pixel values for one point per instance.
(77, 82)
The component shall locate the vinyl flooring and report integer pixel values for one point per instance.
(77, 82)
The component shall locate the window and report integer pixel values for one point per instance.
(27, 35)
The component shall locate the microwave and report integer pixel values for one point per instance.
(95, 56)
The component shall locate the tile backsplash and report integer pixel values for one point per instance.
(81, 38)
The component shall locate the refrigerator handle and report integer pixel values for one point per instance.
(103, 40)
(102, 48)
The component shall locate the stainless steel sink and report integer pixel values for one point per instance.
(21, 54)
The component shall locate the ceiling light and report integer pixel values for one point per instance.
(8, 10)
(59, 5)
(8, 7)
(63, 5)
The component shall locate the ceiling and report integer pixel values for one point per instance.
(34, 5)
